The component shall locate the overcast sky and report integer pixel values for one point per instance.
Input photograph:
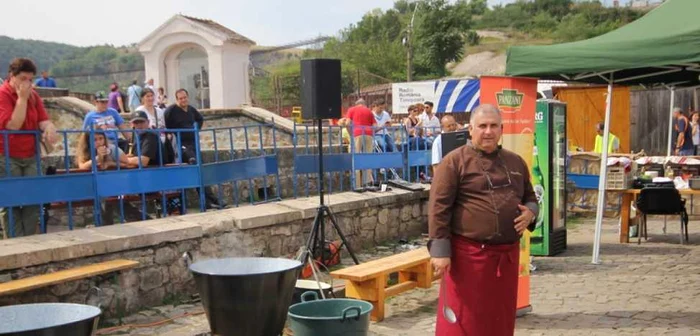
(268, 22)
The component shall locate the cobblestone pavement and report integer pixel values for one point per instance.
(647, 289)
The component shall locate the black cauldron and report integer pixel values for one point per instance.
(245, 296)
(50, 319)
(44, 319)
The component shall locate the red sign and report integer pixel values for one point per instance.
(515, 97)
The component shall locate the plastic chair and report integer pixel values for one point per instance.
(661, 201)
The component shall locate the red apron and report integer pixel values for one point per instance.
(481, 288)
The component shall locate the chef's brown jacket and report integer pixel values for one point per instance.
(463, 202)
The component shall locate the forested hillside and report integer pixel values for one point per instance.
(44, 54)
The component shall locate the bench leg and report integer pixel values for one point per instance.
(422, 274)
(371, 291)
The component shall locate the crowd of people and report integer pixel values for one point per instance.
(108, 141)
(686, 135)
(373, 131)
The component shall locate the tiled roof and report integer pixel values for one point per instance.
(232, 36)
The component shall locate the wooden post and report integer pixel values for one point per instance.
(625, 217)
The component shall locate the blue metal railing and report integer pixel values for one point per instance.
(138, 183)
(393, 150)
(248, 168)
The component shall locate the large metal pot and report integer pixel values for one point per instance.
(303, 286)
(50, 319)
(245, 296)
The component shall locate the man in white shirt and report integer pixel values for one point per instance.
(431, 123)
(448, 124)
(149, 85)
(382, 135)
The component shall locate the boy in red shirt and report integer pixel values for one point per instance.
(21, 109)
(362, 120)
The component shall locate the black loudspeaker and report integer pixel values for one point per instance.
(320, 89)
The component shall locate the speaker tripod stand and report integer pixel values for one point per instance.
(317, 240)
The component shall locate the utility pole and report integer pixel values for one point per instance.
(409, 45)
(409, 61)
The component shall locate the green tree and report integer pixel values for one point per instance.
(440, 35)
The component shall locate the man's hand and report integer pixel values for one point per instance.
(525, 218)
(440, 265)
(24, 90)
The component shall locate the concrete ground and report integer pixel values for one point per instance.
(647, 289)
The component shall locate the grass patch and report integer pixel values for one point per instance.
(430, 309)
(573, 222)
(499, 46)
(175, 299)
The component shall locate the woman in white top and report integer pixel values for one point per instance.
(156, 115)
(162, 98)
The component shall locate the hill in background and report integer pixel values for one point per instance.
(44, 54)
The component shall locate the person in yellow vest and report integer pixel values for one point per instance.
(613, 141)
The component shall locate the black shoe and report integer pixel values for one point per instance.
(214, 204)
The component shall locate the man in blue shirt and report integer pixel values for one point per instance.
(104, 118)
(45, 81)
(684, 141)
(134, 95)
(382, 135)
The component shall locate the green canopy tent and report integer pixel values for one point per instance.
(661, 48)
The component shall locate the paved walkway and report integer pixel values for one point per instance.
(647, 289)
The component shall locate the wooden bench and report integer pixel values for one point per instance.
(368, 281)
(82, 272)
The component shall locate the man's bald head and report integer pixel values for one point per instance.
(484, 109)
(486, 127)
(448, 123)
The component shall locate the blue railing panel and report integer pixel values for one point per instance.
(419, 158)
(137, 181)
(308, 163)
(378, 160)
(240, 169)
(34, 190)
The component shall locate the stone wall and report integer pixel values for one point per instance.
(271, 230)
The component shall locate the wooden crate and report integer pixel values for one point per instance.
(618, 179)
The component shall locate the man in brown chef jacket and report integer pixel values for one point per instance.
(481, 201)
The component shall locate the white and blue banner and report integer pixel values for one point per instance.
(456, 96)
(449, 96)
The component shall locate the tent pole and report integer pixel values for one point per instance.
(602, 181)
(670, 122)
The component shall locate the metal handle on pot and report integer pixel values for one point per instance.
(100, 296)
(305, 294)
(187, 259)
(348, 309)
